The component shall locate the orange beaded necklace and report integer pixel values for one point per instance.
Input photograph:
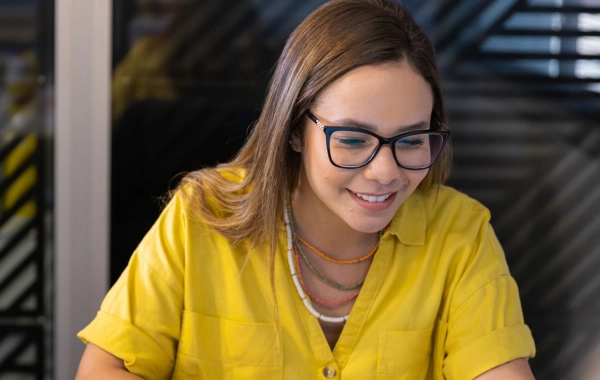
(337, 261)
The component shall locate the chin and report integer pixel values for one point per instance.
(369, 222)
(372, 226)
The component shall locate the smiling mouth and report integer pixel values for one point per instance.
(373, 198)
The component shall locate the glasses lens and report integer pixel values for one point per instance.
(417, 151)
(350, 148)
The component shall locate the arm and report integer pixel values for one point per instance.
(140, 318)
(98, 364)
(485, 324)
(516, 370)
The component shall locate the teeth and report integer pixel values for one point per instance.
(372, 198)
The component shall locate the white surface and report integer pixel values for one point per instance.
(83, 54)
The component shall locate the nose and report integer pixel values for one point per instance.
(383, 168)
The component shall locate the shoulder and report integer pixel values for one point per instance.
(181, 235)
(451, 226)
(211, 186)
(445, 206)
(462, 225)
(232, 174)
(444, 198)
(201, 181)
(437, 215)
(205, 200)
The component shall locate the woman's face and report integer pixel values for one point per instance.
(389, 98)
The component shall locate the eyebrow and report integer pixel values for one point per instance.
(421, 125)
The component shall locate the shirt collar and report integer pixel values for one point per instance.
(409, 223)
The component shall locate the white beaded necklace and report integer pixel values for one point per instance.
(301, 293)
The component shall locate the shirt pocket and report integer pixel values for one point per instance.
(216, 348)
(404, 355)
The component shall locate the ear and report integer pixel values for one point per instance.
(296, 143)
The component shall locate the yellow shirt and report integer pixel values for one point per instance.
(438, 302)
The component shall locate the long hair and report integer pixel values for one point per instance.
(339, 36)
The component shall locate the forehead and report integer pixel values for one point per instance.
(384, 95)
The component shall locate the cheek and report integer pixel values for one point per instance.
(323, 177)
(412, 178)
(316, 160)
(416, 176)
(325, 174)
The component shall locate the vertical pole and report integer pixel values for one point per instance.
(82, 154)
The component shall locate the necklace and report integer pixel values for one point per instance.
(301, 293)
(337, 261)
(323, 278)
(313, 297)
(312, 267)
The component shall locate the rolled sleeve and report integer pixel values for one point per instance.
(486, 331)
(141, 354)
(140, 318)
(485, 324)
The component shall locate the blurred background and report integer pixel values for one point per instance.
(187, 79)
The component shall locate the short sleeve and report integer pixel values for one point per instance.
(485, 324)
(139, 320)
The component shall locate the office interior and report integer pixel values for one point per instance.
(183, 80)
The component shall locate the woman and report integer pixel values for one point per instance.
(328, 248)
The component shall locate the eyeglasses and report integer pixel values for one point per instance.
(353, 148)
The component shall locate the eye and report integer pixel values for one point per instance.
(410, 142)
(351, 140)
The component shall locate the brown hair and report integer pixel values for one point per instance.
(339, 36)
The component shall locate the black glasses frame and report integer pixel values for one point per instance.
(382, 141)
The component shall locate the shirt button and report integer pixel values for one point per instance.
(329, 372)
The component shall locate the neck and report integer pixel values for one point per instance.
(315, 223)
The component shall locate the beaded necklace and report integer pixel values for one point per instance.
(320, 276)
(337, 261)
(313, 297)
(312, 267)
(301, 293)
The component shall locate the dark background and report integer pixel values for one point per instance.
(522, 86)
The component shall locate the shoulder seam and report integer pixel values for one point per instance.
(452, 311)
(159, 276)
